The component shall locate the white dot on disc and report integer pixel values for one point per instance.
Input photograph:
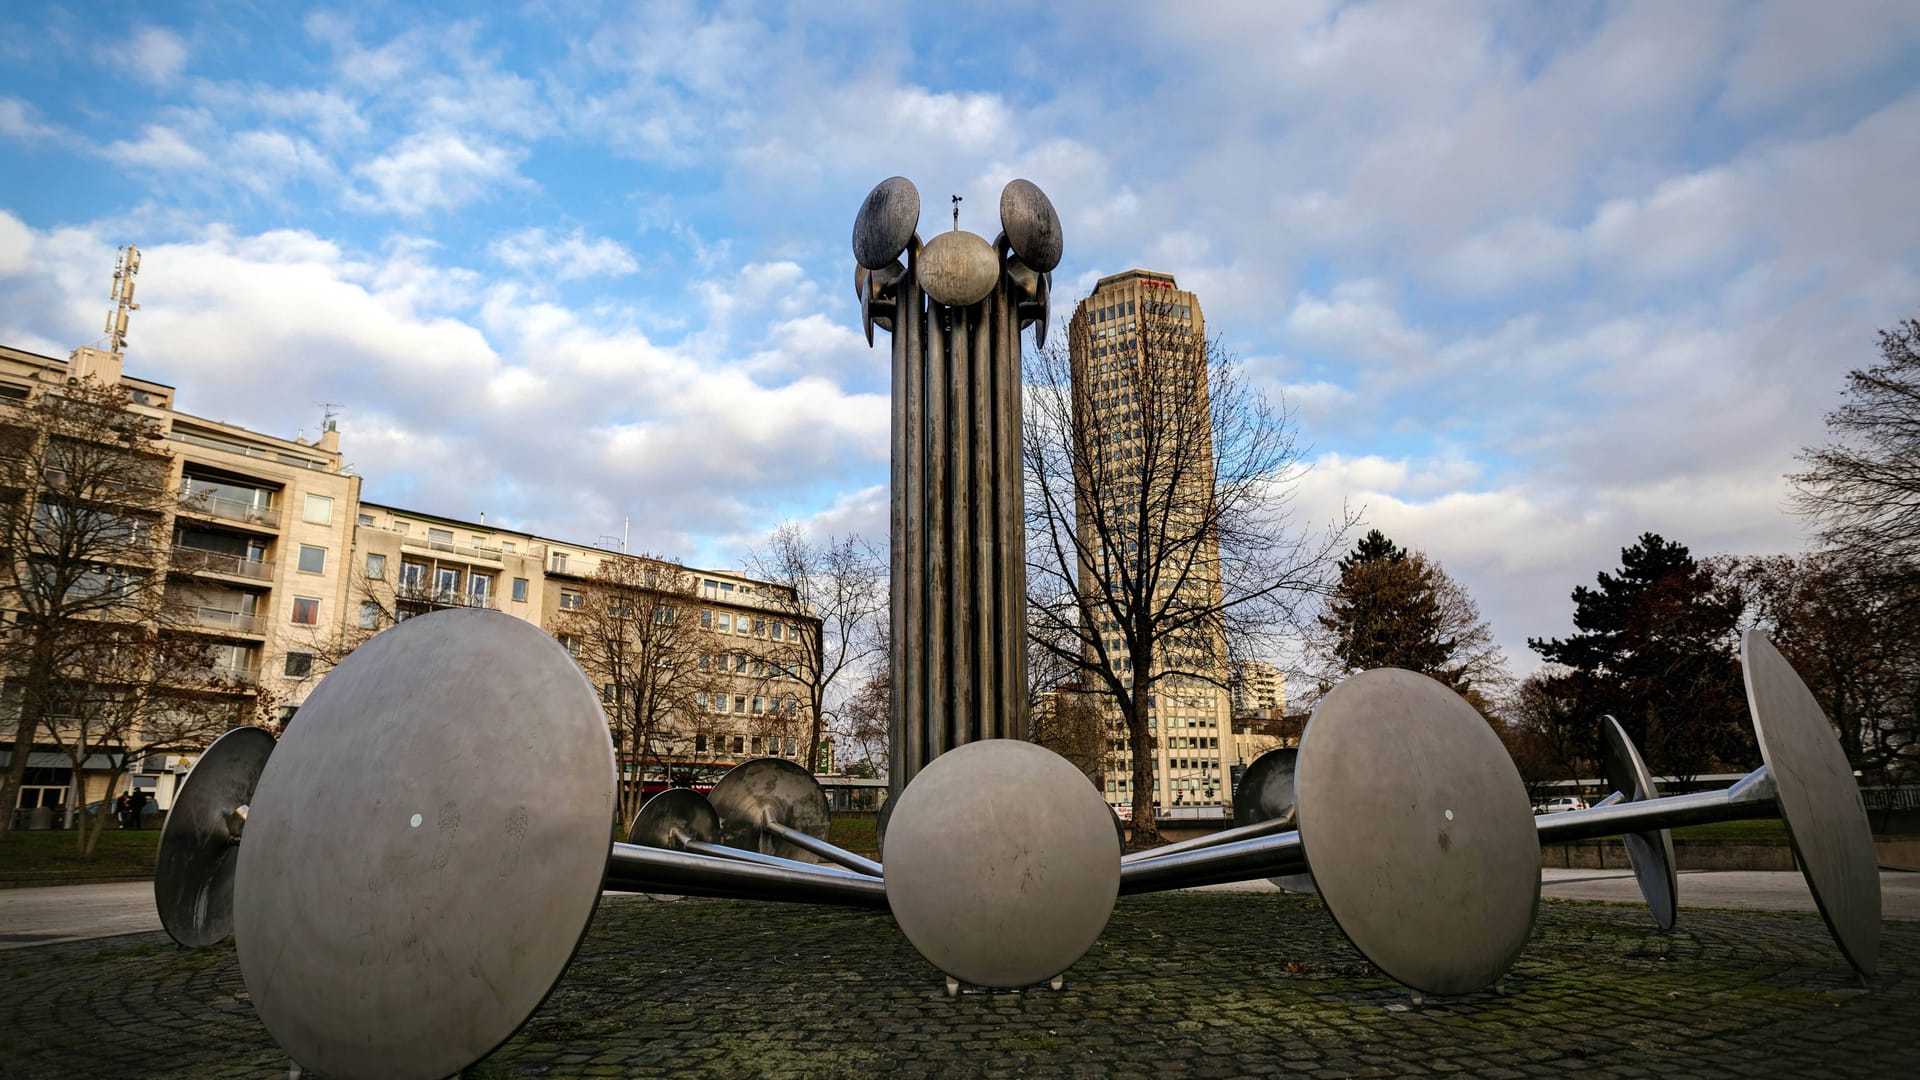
(1449, 817)
(416, 819)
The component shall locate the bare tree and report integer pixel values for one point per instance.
(86, 514)
(831, 596)
(1161, 531)
(637, 636)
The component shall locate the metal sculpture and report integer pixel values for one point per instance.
(955, 306)
(425, 849)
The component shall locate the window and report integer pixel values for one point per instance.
(720, 703)
(723, 622)
(366, 519)
(740, 703)
(319, 510)
(754, 743)
(439, 536)
(479, 588)
(706, 661)
(759, 705)
(760, 626)
(286, 716)
(413, 575)
(706, 620)
(559, 562)
(299, 665)
(779, 630)
(369, 615)
(571, 644)
(700, 743)
(739, 745)
(571, 601)
(506, 547)
(520, 589)
(376, 567)
(306, 611)
(313, 560)
(793, 747)
(446, 581)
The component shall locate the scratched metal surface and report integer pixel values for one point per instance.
(426, 847)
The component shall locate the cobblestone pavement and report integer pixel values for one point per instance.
(1185, 984)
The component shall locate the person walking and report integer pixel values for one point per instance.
(121, 809)
(139, 805)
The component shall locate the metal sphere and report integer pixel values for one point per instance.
(1418, 830)
(193, 875)
(425, 847)
(1001, 864)
(1032, 227)
(884, 227)
(958, 269)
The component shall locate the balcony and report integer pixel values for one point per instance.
(222, 619)
(421, 593)
(484, 554)
(226, 509)
(242, 676)
(195, 560)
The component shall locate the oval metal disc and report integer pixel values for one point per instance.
(425, 847)
(777, 789)
(999, 866)
(1031, 225)
(1826, 819)
(1265, 793)
(886, 221)
(193, 874)
(681, 810)
(1649, 853)
(958, 269)
(1419, 831)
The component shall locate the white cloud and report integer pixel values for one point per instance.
(17, 121)
(437, 171)
(159, 147)
(153, 56)
(1356, 320)
(567, 258)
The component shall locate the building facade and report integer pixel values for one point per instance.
(1136, 342)
(276, 561)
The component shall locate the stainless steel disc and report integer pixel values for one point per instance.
(1418, 830)
(769, 789)
(199, 845)
(1650, 853)
(958, 268)
(1818, 798)
(1000, 864)
(1266, 792)
(886, 222)
(672, 817)
(426, 847)
(1031, 225)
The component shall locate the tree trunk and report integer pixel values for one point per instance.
(39, 665)
(1146, 826)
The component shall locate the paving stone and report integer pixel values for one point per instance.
(1253, 985)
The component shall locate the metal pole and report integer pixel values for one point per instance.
(1752, 797)
(848, 859)
(1244, 860)
(633, 868)
(734, 854)
(1225, 836)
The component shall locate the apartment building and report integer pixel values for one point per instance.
(277, 561)
(1136, 330)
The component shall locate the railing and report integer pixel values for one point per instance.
(243, 676)
(1904, 797)
(298, 460)
(223, 619)
(423, 594)
(476, 551)
(230, 509)
(219, 562)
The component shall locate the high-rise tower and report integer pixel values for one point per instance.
(1144, 480)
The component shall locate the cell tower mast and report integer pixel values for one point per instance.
(124, 269)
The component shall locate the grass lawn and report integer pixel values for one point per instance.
(52, 851)
(855, 834)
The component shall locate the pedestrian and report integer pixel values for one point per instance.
(139, 805)
(120, 810)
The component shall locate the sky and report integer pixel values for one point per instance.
(1532, 279)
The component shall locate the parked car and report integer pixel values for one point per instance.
(1559, 803)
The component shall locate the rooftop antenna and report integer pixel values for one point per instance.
(125, 266)
(328, 410)
(956, 213)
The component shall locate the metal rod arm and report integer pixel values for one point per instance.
(734, 854)
(633, 868)
(1242, 860)
(1752, 797)
(808, 842)
(1225, 836)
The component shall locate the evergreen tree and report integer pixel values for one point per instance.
(1656, 649)
(1385, 612)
